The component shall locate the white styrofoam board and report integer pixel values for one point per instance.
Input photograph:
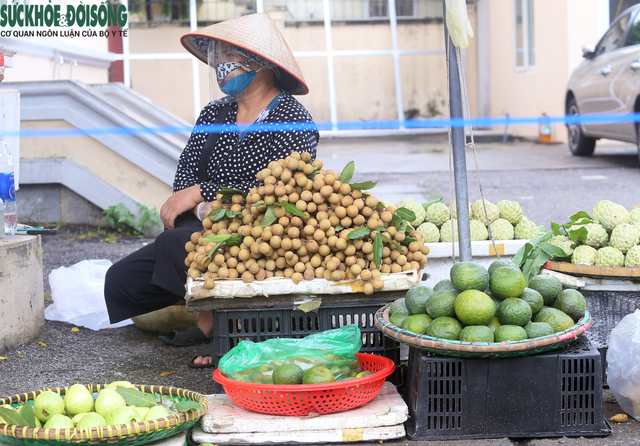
(336, 435)
(224, 416)
(593, 284)
(478, 249)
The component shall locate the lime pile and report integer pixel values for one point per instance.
(494, 305)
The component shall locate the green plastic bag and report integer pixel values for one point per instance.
(335, 349)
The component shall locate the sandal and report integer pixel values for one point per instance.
(209, 350)
(191, 336)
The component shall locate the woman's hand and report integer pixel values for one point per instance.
(181, 201)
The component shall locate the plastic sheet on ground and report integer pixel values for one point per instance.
(78, 295)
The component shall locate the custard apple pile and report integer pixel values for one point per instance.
(414, 206)
(512, 225)
(614, 240)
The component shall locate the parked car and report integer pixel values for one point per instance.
(607, 81)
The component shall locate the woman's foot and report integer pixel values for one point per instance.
(205, 323)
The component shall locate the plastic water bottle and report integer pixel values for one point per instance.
(1, 218)
(8, 190)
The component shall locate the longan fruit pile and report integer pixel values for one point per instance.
(315, 245)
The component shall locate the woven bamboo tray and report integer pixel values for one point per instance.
(480, 349)
(130, 434)
(632, 273)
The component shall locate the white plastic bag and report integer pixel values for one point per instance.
(623, 359)
(458, 23)
(78, 295)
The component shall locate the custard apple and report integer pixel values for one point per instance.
(609, 256)
(526, 230)
(430, 232)
(437, 213)
(611, 215)
(633, 257)
(455, 209)
(596, 234)
(598, 210)
(479, 231)
(557, 240)
(445, 231)
(584, 255)
(414, 206)
(501, 229)
(510, 211)
(624, 236)
(477, 211)
(634, 216)
(566, 247)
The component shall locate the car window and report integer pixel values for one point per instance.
(633, 38)
(613, 38)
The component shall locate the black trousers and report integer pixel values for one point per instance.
(154, 276)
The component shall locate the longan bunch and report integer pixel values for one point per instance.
(314, 245)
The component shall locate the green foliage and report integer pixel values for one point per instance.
(124, 222)
(533, 255)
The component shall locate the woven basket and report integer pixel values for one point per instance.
(130, 434)
(480, 349)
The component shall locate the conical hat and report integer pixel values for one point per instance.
(256, 33)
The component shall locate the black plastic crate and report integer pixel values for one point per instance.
(552, 394)
(260, 324)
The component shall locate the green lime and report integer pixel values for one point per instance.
(538, 329)
(444, 328)
(365, 373)
(571, 302)
(416, 298)
(473, 307)
(318, 375)
(398, 305)
(558, 320)
(445, 285)
(495, 301)
(288, 374)
(416, 323)
(397, 318)
(507, 282)
(548, 286)
(502, 264)
(495, 323)
(476, 333)
(469, 276)
(533, 298)
(514, 311)
(441, 303)
(510, 333)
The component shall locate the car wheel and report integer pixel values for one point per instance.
(579, 144)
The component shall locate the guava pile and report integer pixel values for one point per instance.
(119, 402)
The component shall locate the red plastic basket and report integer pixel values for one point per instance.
(301, 399)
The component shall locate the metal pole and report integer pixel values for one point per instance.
(393, 20)
(195, 64)
(328, 39)
(458, 142)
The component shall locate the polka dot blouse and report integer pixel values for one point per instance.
(235, 162)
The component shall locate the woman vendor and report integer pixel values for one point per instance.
(261, 122)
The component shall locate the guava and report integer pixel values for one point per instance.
(122, 415)
(114, 385)
(107, 401)
(156, 412)
(77, 417)
(47, 404)
(142, 411)
(78, 399)
(91, 419)
(59, 421)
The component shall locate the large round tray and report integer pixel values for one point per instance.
(131, 434)
(480, 349)
(599, 272)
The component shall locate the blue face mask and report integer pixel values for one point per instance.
(230, 81)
